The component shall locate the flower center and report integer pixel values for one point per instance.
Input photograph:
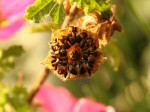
(74, 53)
(3, 22)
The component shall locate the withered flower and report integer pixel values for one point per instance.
(74, 53)
(103, 28)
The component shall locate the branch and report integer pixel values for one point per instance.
(70, 16)
(38, 83)
(41, 79)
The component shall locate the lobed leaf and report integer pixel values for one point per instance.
(38, 9)
(41, 8)
(57, 13)
(90, 5)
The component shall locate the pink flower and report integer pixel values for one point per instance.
(58, 99)
(55, 99)
(87, 105)
(11, 16)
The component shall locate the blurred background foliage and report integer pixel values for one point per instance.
(123, 81)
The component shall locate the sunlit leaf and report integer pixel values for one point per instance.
(15, 98)
(42, 8)
(90, 5)
(38, 10)
(80, 3)
(57, 13)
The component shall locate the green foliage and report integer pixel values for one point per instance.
(7, 57)
(113, 54)
(41, 8)
(126, 89)
(45, 27)
(13, 99)
(91, 5)
(57, 13)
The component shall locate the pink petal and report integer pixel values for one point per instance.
(110, 109)
(12, 11)
(14, 7)
(6, 32)
(55, 99)
(87, 105)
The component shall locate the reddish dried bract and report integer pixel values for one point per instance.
(74, 53)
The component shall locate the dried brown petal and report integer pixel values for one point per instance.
(102, 28)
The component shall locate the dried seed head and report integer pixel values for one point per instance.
(73, 53)
(103, 28)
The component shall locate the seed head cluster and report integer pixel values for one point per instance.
(74, 53)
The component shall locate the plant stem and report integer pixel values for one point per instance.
(38, 83)
(70, 16)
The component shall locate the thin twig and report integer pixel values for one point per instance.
(38, 83)
(41, 79)
(70, 16)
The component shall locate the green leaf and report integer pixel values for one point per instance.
(7, 57)
(81, 3)
(45, 27)
(13, 51)
(57, 13)
(41, 8)
(3, 95)
(71, 1)
(15, 98)
(90, 5)
(38, 10)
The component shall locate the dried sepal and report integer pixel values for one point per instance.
(103, 28)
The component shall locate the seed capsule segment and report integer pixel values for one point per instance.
(82, 43)
(61, 71)
(78, 38)
(82, 70)
(91, 64)
(84, 34)
(65, 44)
(71, 39)
(63, 52)
(75, 55)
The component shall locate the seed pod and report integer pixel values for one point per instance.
(73, 53)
